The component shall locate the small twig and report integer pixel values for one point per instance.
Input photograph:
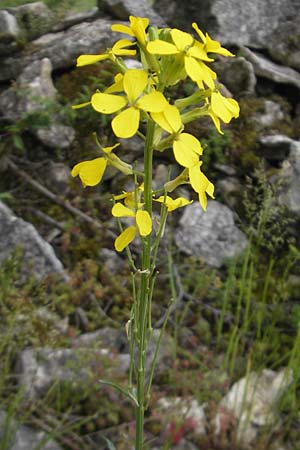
(47, 193)
(49, 220)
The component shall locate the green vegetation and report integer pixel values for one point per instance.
(58, 5)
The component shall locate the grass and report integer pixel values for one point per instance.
(68, 5)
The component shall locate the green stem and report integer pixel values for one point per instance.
(143, 300)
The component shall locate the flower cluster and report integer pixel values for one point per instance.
(168, 56)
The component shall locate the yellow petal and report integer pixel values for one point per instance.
(186, 150)
(138, 26)
(169, 120)
(135, 81)
(225, 108)
(117, 86)
(201, 184)
(199, 32)
(119, 210)
(81, 105)
(173, 204)
(122, 29)
(216, 121)
(84, 60)
(181, 39)
(207, 75)
(107, 103)
(90, 172)
(125, 238)
(193, 68)
(144, 222)
(159, 47)
(119, 47)
(153, 102)
(126, 124)
(110, 149)
(215, 47)
(198, 52)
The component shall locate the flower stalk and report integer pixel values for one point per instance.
(137, 97)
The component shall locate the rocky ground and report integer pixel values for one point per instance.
(66, 294)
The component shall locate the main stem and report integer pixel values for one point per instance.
(143, 298)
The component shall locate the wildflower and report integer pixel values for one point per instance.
(186, 147)
(201, 184)
(222, 108)
(136, 29)
(193, 53)
(125, 124)
(171, 203)
(118, 49)
(91, 172)
(211, 46)
(143, 222)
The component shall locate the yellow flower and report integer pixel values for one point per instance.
(91, 172)
(118, 49)
(171, 203)
(201, 184)
(126, 123)
(143, 222)
(186, 147)
(211, 46)
(222, 108)
(136, 29)
(193, 53)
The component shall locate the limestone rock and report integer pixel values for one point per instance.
(122, 9)
(37, 370)
(283, 43)
(288, 192)
(21, 437)
(38, 257)
(274, 72)
(275, 147)
(211, 235)
(238, 76)
(34, 19)
(236, 22)
(63, 47)
(252, 403)
(10, 32)
(32, 92)
(270, 113)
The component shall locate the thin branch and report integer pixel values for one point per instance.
(49, 194)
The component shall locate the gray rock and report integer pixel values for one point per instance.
(275, 147)
(10, 33)
(237, 22)
(33, 93)
(211, 235)
(20, 437)
(112, 262)
(37, 370)
(9, 27)
(34, 19)
(38, 257)
(63, 47)
(283, 44)
(270, 113)
(185, 410)
(274, 72)
(75, 18)
(253, 403)
(122, 9)
(288, 179)
(238, 76)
